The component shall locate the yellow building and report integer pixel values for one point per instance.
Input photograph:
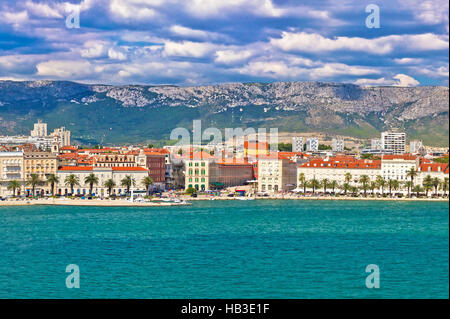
(199, 173)
(42, 164)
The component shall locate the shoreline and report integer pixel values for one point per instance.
(125, 203)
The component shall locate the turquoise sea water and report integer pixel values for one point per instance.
(227, 249)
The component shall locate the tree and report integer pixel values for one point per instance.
(381, 182)
(34, 181)
(427, 184)
(127, 182)
(348, 177)
(364, 180)
(417, 189)
(72, 180)
(436, 182)
(372, 187)
(147, 182)
(314, 183)
(354, 190)
(191, 190)
(91, 180)
(110, 184)
(302, 180)
(445, 185)
(347, 187)
(409, 185)
(52, 179)
(411, 173)
(333, 185)
(325, 184)
(14, 185)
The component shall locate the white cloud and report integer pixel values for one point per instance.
(64, 69)
(196, 34)
(313, 42)
(402, 80)
(188, 49)
(116, 55)
(94, 49)
(329, 70)
(134, 9)
(16, 19)
(43, 10)
(408, 61)
(428, 11)
(232, 56)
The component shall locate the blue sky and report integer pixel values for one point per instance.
(195, 42)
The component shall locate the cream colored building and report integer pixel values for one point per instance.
(103, 174)
(276, 175)
(200, 173)
(11, 168)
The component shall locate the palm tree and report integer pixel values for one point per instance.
(364, 180)
(127, 182)
(436, 182)
(302, 180)
(110, 184)
(34, 181)
(348, 177)
(409, 185)
(354, 190)
(373, 186)
(347, 187)
(411, 173)
(52, 179)
(314, 183)
(417, 189)
(395, 185)
(333, 185)
(381, 182)
(427, 184)
(147, 182)
(72, 180)
(14, 185)
(325, 183)
(91, 180)
(445, 185)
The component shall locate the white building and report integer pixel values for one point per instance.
(376, 144)
(337, 168)
(40, 129)
(312, 145)
(276, 175)
(395, 141)
(297, 144)
(397, 166)
(415, 146)
(338, 145)
(117, 174)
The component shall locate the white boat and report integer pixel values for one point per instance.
(245, 198)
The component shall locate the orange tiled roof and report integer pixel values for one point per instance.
(434, 167)
(75, 168)
(407, 157)
(349, 164)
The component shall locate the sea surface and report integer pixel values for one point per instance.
(227, 249)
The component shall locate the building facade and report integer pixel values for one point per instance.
(338, 145)
(395, 141)
(297, 144)
(276, 175)
(117, 174)
(42, 164)
(11, 169)
(312, 145)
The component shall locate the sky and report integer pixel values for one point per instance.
(199, 42)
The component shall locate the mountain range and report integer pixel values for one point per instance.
(102, 114)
